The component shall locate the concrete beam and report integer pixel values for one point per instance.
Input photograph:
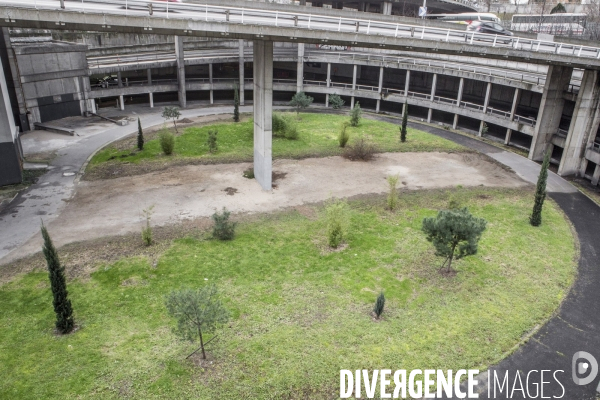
(179, 56)
(241, 67)
(550, 111)
(379, 89)
(300, 69)
(583, 124)
(263, 112)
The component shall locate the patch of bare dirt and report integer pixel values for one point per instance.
(230, 191)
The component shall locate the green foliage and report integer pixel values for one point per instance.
(211, 141)
(559, 8)
(484, 129)
(172, 113)
(540, 193)
(454, 233)
(453, 203)
(301, 101)
(236, 103)
(249, 173)
(404, 123)
(379, 305)
(355, 115)
(223, 228)
(392, 197)
(197, 312)
(58, 284)
(362, 149)
(344, 135)
(338, 221)
(147, 229)
(167, 141)
(284, 126)
(140, 136)
(336, 101)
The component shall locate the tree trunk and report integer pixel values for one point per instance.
(451, 257)
(202, 344)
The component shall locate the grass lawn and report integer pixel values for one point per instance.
(318, 138)
(299, 312)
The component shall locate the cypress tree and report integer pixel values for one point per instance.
(236, 104)
(404, 123)
(140, 137)
(379, 305)
(540, 193)
(61, 302)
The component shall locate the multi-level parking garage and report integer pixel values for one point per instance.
(537, 95)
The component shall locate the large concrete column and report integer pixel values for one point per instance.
(149, 73)
(583, 124)
(386, 8)
(300, 69)
(551, 107)
(179, 56)
(328, 84)
(486, 102)
(353, 86)
(461, 86)
(407, 82)
(379, 89)
(10, 157)
(121, 103)
(263, 112)
(513, 110)
(241, 68)
(431, 96)
(151, 99)
(210, 81)
(119, 82)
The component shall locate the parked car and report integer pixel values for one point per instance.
(490, 28)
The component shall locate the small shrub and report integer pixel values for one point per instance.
(284, 126)
(484, 129)
(355, 115)
(172, 113)
(223, 229)
(379, 305)
(336, 102)
(344, 135)
(278, 124)
(291, 130)
(361, 149)
(446, 127)
(167, 141)
(392, 198)
(147, 230)
(211, 141)
(300, 101)
(337, 215)
(453, 203)
(249, 173)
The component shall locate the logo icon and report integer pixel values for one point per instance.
(588, 367)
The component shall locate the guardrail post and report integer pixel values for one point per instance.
(295, 20)
(62, 4)
(357, 26)
(227, 15)
(150, 10)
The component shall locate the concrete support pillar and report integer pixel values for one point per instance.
(486, 101)
(119, 81)
(550, 110)
(263, 113)
(10, 156)
(461, 86)
(328, 84)
(507, 136)
(151, 99)
(386, 8)
(407, 82)
(241, 67)
(431, 97)
(584, 123)
(379, 89)
(149, 73)
(210, 81)
(353, 86)
(300, 69)
(121, 103)
(513, 110)
(179, 56)
(596, 176)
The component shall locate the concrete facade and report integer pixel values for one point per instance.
(10, 150)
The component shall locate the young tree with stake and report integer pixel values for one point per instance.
(198, 312)
(172, 113)
(58, 284)
(454, 233)
(540, 193)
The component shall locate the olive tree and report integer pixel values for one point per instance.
(454, 233)
(172, 113)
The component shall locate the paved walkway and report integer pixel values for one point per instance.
(575, 327)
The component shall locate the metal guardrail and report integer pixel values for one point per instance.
(302, 21)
